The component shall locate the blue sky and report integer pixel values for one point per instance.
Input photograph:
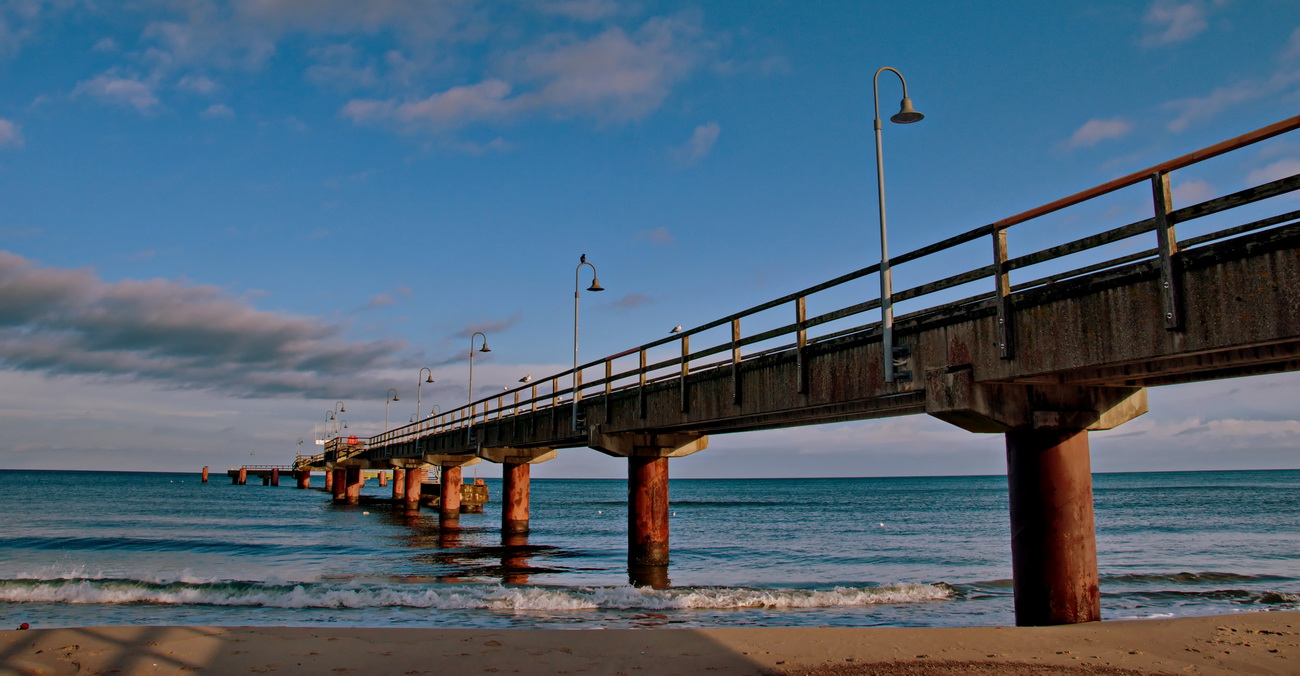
(218, 218)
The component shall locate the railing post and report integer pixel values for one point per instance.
(801, 341)
(1006, 346)
(735, 361)
(609, 388)
(686, 370)
(640, 390)
(533, 404)
(1170, 298)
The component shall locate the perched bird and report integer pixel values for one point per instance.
(676, 329)
(583, 259)
(526, 379)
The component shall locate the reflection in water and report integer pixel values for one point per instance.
(514, 558)
(654, 577)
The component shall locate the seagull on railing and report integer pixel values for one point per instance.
(526, 379)
(676, 329)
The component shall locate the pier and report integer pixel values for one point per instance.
(1042, 360)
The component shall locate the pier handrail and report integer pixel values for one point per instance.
(1165, 216)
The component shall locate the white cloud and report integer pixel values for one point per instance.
(200, 84)
(1287, 166)
(659, 236)
(1191, 192)
(114, 89)
(1292, 50)
(698, 146)
(582, 10)
(1195, 109)
(1170, 21)
(217, 110)
(1095, 131)
(11, 135)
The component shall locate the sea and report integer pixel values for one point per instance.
(123, 548)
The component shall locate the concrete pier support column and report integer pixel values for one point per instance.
(354, 480)
(647, 511)
(266, 480)
(399, 484)
(647, 494)
(1053, 537)
(275, 476)
(516, 483)
(205, 474)
(514, 498)
(242, 479)
(449, 499)
(339, 489)
(414, 482)
(304, 478)
(383, 479)
(329, 481)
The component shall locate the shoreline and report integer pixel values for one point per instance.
(1256, 643)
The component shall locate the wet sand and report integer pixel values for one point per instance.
(1248, 643)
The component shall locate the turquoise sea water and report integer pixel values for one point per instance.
(83, 548)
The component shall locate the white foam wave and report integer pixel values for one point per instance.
(489, 597)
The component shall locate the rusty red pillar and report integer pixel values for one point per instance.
(242, 480)
(383, 479)
(354, 481)
(275, 476)
(399, 485)
(205, 474)
(339, 489)
(329, 481)
(304, 478)
(514, 499)
(1053, 536)
(449, 509)
(647, 511)
(414, 484)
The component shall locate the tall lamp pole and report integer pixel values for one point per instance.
(389, 397)
(418, 384)
(595, 286)
(469, 429)
(906, 115)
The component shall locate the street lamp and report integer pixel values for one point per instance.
(325, 429)
(418, 384)
(389, 397)
(469, 433)
(906, 115)
(595, 286)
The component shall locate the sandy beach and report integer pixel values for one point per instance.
(1249, 643)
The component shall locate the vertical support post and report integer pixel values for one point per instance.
(647, 511)
(640, 390)
(383, 479)
(266, 480)
(801, 341)
(399, 485)
(414, 484)
(1053, 535)
(275, 476)
(686, 371)
(449, 510)
(304, 478)
(242, 480)
(534, 405)
(329, 481)
(1001, 281)
(609, 388)
(354, 480)
(205, 474)
(514, 499)
(1167, 240)
(735, 361)
(340, 488)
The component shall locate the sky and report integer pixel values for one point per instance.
(219, 218)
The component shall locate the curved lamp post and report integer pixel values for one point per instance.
(469, 429)
(325, 429)
(389, 397)
(418, 384)
(595, 286)
(905, 115)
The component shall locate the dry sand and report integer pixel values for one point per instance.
(1249, 643)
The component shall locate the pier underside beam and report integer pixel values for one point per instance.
(515, 475)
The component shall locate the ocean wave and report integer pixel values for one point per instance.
(1190, 577)
(109, 591)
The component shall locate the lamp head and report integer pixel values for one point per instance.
(395, 397)
(485, 348)
(906, 113)
(430, 378)
(595, 285)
